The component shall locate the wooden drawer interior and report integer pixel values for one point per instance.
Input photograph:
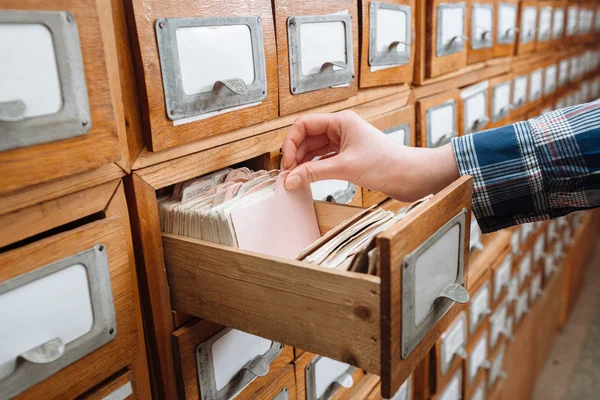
(350, 317)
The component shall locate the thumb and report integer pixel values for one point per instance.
(312, 171)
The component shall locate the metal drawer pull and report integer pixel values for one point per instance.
(485, 35)
(486, 364)
(394, 45)
(503, 375)
(457, 39)
(331, 66)
(258, 366)
(508, 335)
(461, 352)
(445, 139)
(12, 111)
(45, 353)
(345, 380)
(481, 121)
(343, 196)
(455, 292)
(511, 31)
(235, 85)
(518, 104)
(487, 311)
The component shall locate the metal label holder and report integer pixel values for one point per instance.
(333, 73)
(482, 121)
(508, 36)
(48, 358)
(405, 128)
(226, 93)
(447, 138)
(457, 43)
(496, 370)
(527, 35)
(392, 56)
(484, 41)
(74, 118)
(345, 380)
(258, 366)
(461, 352)
(455, 292)
(506, 109)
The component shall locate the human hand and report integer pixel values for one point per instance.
(359, 153)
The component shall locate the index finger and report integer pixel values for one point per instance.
(308, 125)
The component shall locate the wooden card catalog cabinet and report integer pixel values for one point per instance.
(481, 37)
(558, 24)
(450, 351)
(208, 69)
(506, 27)
(56, 96)
(387, 37)
(438, 119)
(550, 78)
(317, 47)
(474, 100)
(395, 318)
(219, 363)
(527, 27)
(519, 94)
(447, 47)
(544, 33)
(500, 91)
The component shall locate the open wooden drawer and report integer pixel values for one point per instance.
(383, 324)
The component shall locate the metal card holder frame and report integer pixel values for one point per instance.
(328, 76)
(259, 366)
(507, 37)
(311, 381)
(411, 333)
(485, 41)
(48, 358)
(523, 101)
(482, 121)
(74, 118)
(445, 364)
(447, 137)
(405, 128)
(227, 93)
(506, 109)
(392, 56)
(457, 43)
(496, 370)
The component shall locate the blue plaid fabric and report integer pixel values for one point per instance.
(538, 169)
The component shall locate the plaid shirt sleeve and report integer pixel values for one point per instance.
(538, 169)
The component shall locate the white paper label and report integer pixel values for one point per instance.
(545, 24)
(572, 17)
(548, 266)
(501, 99)
(536, 286)
(520, 90)
(538, 248)
(550, 79)
(558, 21)
(477, 357)
(397, 135)
(498, 324)
(515, 241)
(513, 288)
(525, 268)
(528, 24)
(558, 249)
(483, 19)
(563, 72)
(585, 20)
(453, 23)
(526, 230)
(480, 304)
(453, 390)
(322, 42)
(522, 302)
(597, 21)
(502, 276)
(28, 70)
(573, 68)
(507, 20)
(535, 86)
(452, 340)
(441, 122)
(391, 27)
(497, 365)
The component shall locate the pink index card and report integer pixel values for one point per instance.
(281, 225)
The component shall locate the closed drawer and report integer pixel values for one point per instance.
(320, 378)
(506, 27)
(572, 18)
(528, 19)
(387, 42)
(477, 362)
(479, 304)
(220, 363)
(499, 329)
(474, 106)
(544, 31)
(523, 267)
(438, 119)
(500, 97)
(520, 91)
(478, 390)
(496, 373)
(207, 67)
(450, 351)
(586, 21)
(398, 125)
(558, 23)
(481, 30)
(535, 289)
(550, 78)
(536, 86)
(354, 318)
(406, 391)
(282, 388)
(521, 307)
(86, 324)
(317, 52)
(56, 92)
(454, 388)
(447, 47)
(563, 72)
(120, 387)
(500, 279)
(539, 249)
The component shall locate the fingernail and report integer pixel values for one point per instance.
(293, 182)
